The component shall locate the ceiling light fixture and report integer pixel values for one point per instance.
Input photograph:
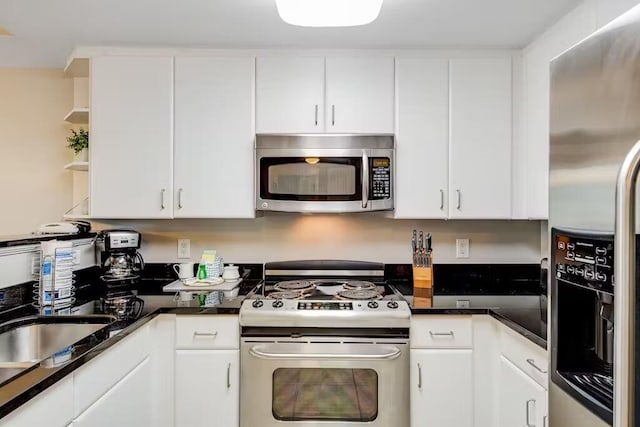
(328, 13)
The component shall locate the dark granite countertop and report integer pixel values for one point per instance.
(527, 322)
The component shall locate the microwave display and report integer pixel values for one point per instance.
(381, 178)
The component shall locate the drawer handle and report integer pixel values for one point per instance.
(211, 335)
(419, 376)
(528, 417)
(537, 368)
(441, 334)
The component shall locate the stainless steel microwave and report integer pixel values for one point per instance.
(324, 173)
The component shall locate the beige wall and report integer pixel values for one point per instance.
(34, 187)
(366, 237)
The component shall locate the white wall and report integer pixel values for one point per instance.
(34, 187)
(367, 237)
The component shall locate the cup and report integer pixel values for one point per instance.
(184, 270)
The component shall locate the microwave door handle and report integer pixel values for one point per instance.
(365, 180)
(264, 353)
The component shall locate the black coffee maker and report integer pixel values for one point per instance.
(122, 265)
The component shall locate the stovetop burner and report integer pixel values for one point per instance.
(286, 295)
(359, 294)
(295, 285)
(359, 284)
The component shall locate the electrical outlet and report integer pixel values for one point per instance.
(184, 248)
(462, 248)
(463, 303)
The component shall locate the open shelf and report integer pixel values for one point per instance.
(77, 67)
(78, 116)
(77, 166)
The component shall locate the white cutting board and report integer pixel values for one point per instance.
(178, 286)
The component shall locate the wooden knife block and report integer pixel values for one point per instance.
(423, 287)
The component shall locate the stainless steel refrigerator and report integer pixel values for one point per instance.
(595, 126)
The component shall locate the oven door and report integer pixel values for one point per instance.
(323, 180)
(326, 384)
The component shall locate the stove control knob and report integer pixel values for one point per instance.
(392, 304)
(277, 303)
(372, 304)
(257, 303)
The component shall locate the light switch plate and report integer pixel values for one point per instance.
(184, 248)
(462, 248)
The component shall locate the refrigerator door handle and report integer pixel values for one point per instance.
(625, 291)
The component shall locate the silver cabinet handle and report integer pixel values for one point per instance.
(229, 375)
(441, 334)
(162, 198)
(180, 198)
(459, 199)
(419, 376)
(441, 199)
(365, 180)
(544, 421)
(537, 368)
(333, 115)
(624, 269)
(528, 416)
(211, 335)
(316, 114)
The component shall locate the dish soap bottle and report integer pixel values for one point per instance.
(202, 271)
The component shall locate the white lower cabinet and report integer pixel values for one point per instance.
(523, 402)
(207, 388)
(53, 407)
(127, 404)
(442, 387)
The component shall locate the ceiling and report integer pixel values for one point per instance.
(46, 30)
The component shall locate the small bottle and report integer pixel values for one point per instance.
(202, 271)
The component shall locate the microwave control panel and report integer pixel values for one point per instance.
(584, 261)
(380, 178)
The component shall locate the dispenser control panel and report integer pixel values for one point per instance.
(585, 260)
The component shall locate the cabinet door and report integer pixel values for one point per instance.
(213, 173)
(523, 402)
(127, 404)
(422, 138)
(290, 95)
(441, 388)
(481, 116)
(131, 137)
(52, 408)
(360, 95)
(207, 379)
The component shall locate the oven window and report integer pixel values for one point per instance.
(311, 179)
(325, 394)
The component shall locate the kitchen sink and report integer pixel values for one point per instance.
(27, 341)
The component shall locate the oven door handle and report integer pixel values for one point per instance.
(385, 353)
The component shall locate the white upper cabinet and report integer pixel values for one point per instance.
(131, 137)
(360, 95)
(481, 135)
(213, 166)
(290, 95)
(422, 138)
